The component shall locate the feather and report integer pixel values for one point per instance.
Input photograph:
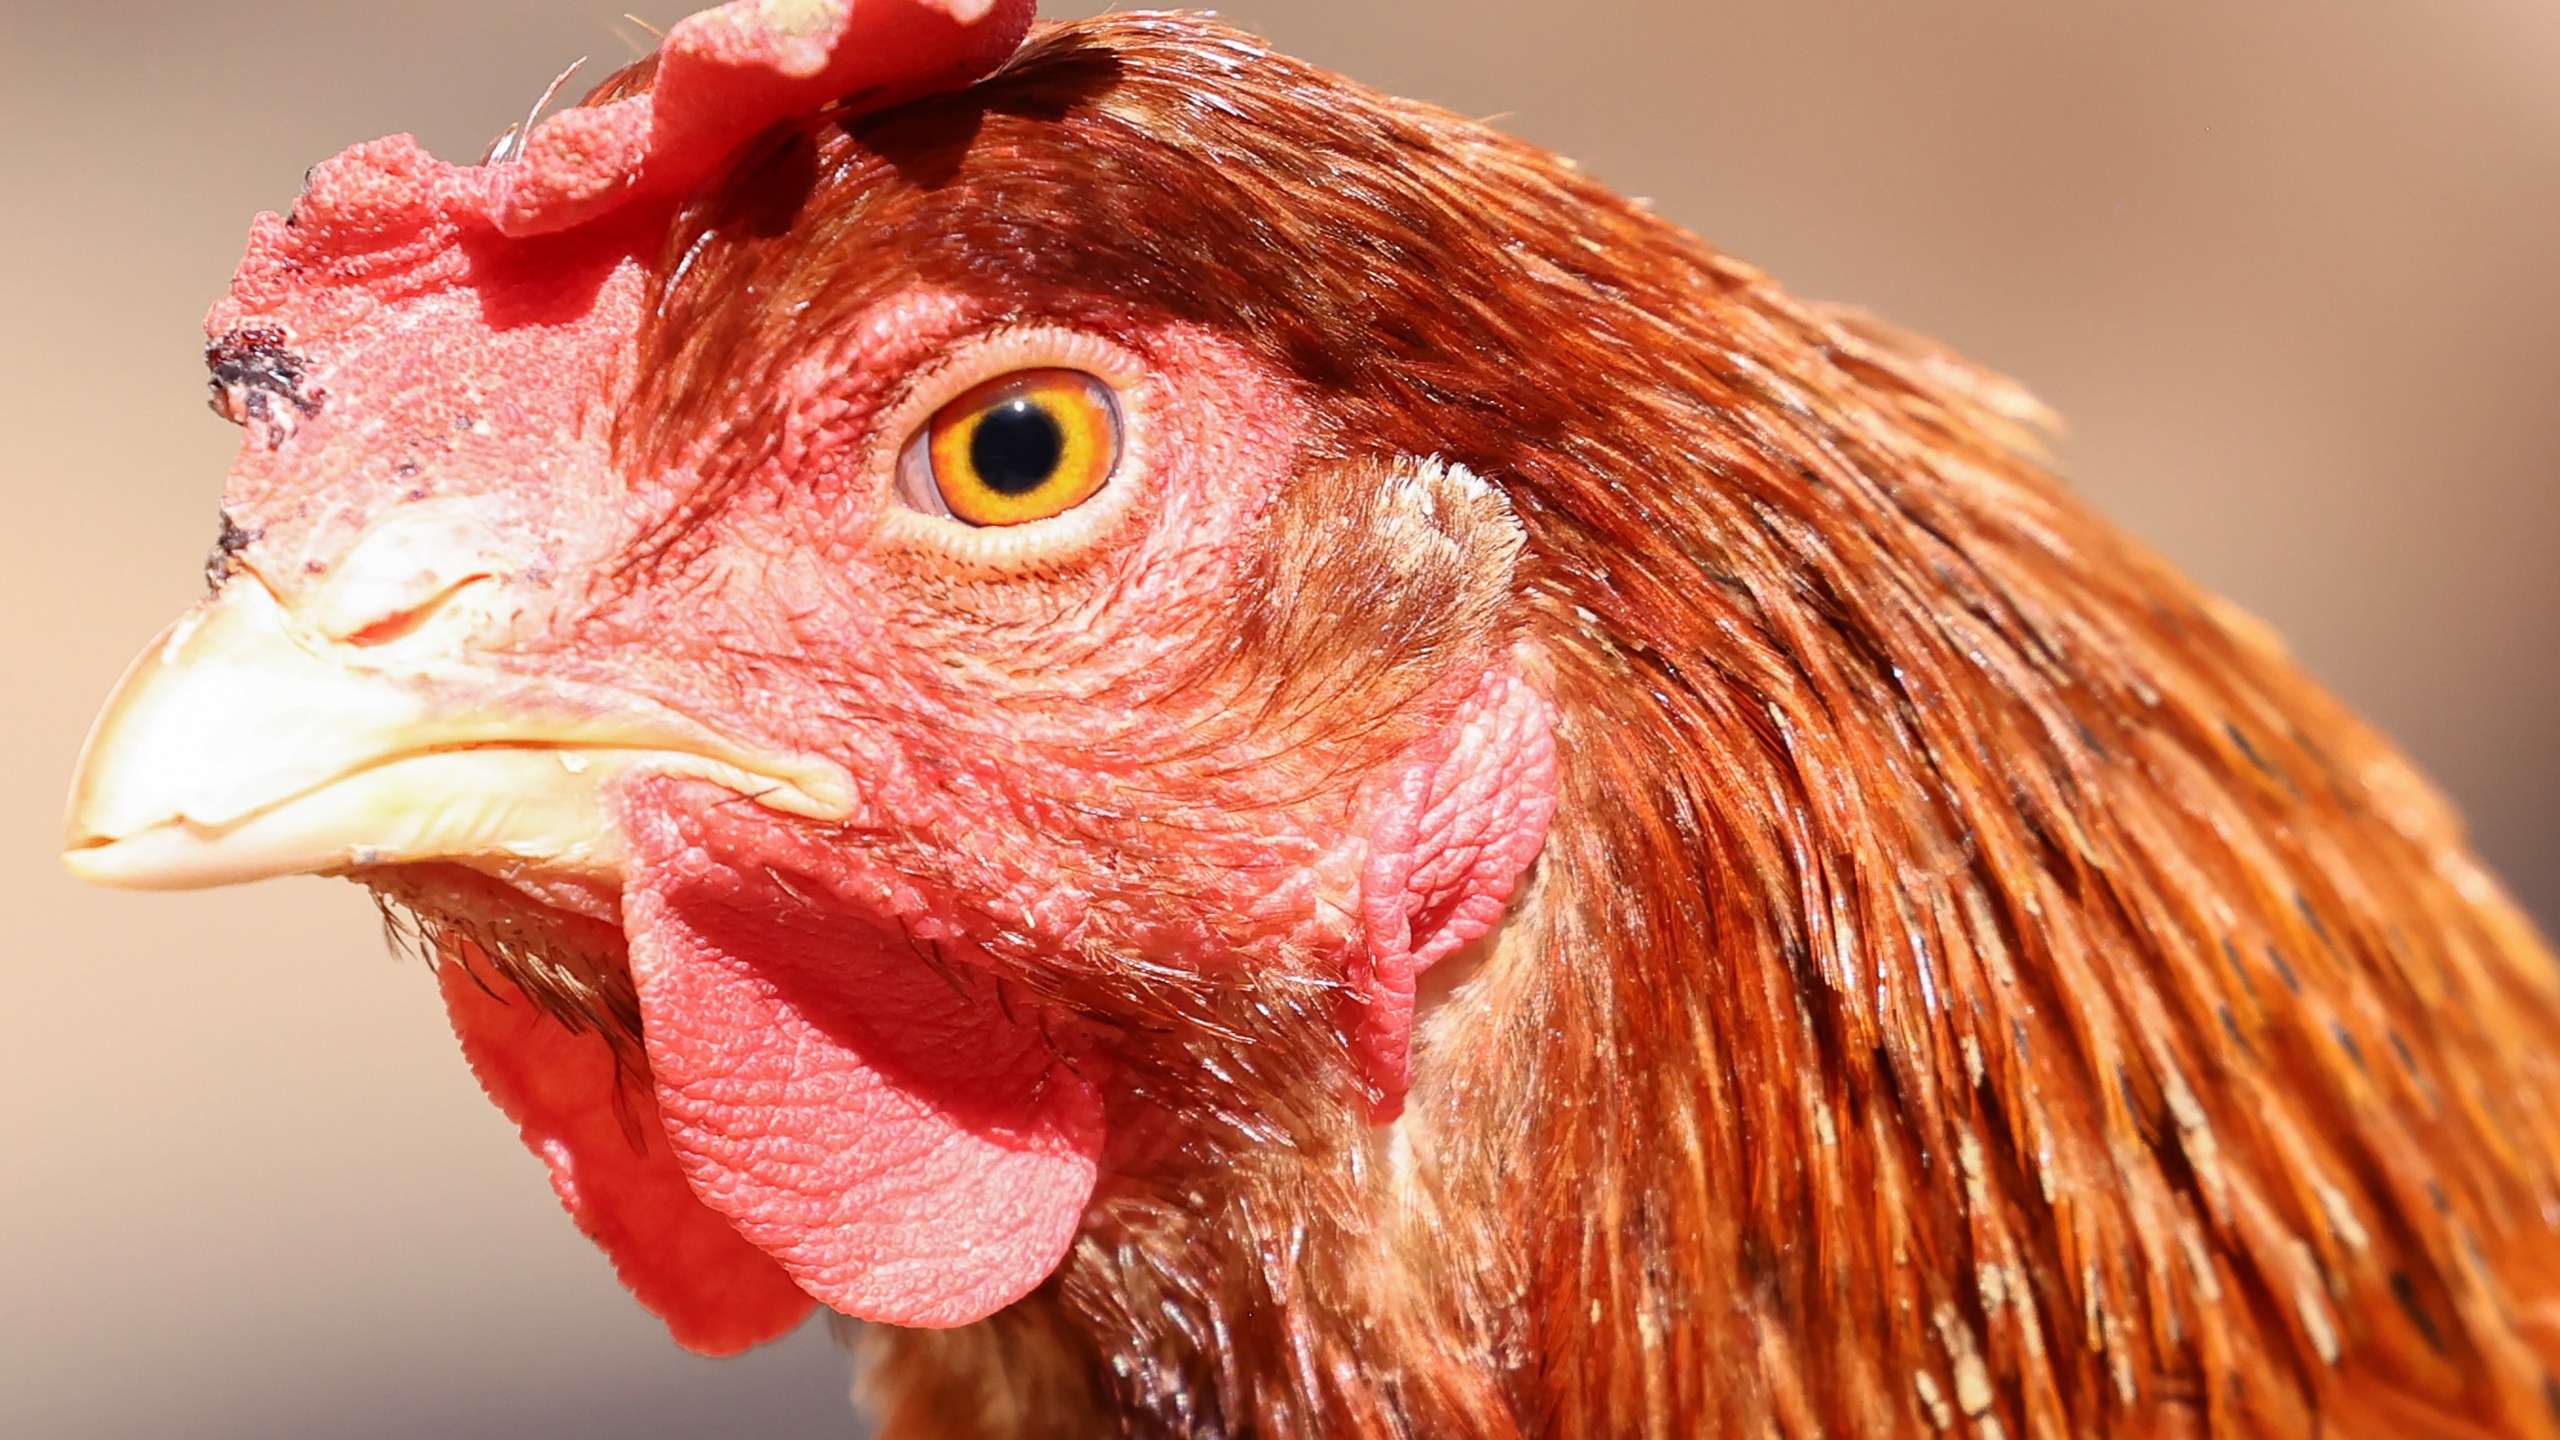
(1973, 979)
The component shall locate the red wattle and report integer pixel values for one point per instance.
(612, 1168)
(906, 1147)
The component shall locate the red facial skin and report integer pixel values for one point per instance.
(863, 1036)
(1970, 972)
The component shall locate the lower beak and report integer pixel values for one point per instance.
(241, 746)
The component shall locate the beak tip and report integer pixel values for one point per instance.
(161, 857)
(90, 860)
(95, 847)
(96, 860)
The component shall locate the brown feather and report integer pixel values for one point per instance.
(1975, 983)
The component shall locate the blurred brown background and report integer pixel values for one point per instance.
(2291, 268)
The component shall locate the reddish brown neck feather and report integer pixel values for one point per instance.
(1973, 978)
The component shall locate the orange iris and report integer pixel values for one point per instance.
(1024, 446)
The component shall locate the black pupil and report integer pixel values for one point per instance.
(1017, 447)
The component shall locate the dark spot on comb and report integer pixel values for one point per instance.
(2405, 1290)
(2284, 972)
(2347, 1042)
(2551, 1394)
(2436, 1197)
(227, 545)
(257, 380)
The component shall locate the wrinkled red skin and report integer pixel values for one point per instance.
(614, 1171)
(897, 1140)
(853, 1107)
(1449, 835)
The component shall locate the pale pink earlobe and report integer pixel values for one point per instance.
(1457, 826)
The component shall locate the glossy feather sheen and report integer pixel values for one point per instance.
(1974, 983)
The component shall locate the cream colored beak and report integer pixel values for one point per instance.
(243, 745)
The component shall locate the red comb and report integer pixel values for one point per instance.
(723, 75)
(461, 327)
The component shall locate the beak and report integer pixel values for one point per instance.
(243, 745)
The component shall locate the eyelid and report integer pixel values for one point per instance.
(914, 476)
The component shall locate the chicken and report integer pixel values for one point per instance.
(1256, 764)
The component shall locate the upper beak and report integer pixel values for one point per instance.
(243, 745)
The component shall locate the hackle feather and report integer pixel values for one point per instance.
(1975, 983)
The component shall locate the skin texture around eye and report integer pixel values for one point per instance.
(1019, 448)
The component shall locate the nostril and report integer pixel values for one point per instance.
(430, 562)
(406, 621)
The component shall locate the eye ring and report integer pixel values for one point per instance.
(1022, 447)
(942, 370)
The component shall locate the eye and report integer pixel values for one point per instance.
(1019, 448)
